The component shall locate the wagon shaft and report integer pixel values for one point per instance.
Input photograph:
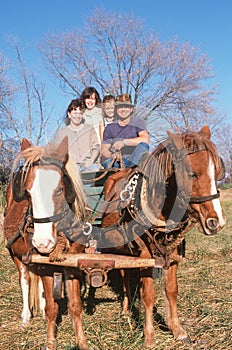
(99, 261)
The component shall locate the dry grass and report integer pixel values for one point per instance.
(204, 305)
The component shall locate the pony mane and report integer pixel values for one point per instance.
(81, 206)
(34, 154)
(158, 165)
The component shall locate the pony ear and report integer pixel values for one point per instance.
(25, 144)
(206, 131)
(176, 140)
(62, 149)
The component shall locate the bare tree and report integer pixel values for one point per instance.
(115, 53)
(22, 101)
(22, 108)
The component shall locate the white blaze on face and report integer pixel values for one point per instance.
(42, 203)
(213, 190)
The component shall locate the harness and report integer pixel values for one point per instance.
(166, 238)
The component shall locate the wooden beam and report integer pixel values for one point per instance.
(98, 260)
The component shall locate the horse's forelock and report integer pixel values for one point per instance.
(29, 156)
(195, 141)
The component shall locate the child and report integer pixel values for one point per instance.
(93, 112)
(84, 147)
(108, 112)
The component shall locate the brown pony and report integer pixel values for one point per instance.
(45, 198)
(152, 207)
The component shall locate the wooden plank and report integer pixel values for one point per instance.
(120, 261)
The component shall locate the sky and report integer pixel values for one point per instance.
(205, 24)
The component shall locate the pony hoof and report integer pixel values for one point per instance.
(24, 324)
(150, 344)
(187, 340)
(51, 345)
(125, 313)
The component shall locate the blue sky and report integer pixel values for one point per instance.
(204, 23)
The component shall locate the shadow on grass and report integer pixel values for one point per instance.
(115, 284)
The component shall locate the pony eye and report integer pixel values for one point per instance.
(192, 175)
(59, 191)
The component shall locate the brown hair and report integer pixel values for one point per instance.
(76, 103)
(88, 92)
(108, 98)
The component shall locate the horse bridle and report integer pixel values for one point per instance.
(57, 217)
(53, 218)
(179, 157)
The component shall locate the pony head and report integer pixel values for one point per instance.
(53, 187)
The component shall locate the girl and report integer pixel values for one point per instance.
(93, 112)
(84, 147)
(108, 112)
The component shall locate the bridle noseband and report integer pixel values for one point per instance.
(202, 199)
(53, 218)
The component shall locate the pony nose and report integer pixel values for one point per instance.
(212, 224)
(43, 246)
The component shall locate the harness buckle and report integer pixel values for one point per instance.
(87, 228)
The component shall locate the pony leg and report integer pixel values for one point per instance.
(148, 297)
(171, 292)
(51, 312)
(126, 291)
(24, 281)
(75, 307)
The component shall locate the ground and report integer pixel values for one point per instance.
(204, 304)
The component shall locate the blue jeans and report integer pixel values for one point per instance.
(132, 160)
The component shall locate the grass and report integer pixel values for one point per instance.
(204, 305)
